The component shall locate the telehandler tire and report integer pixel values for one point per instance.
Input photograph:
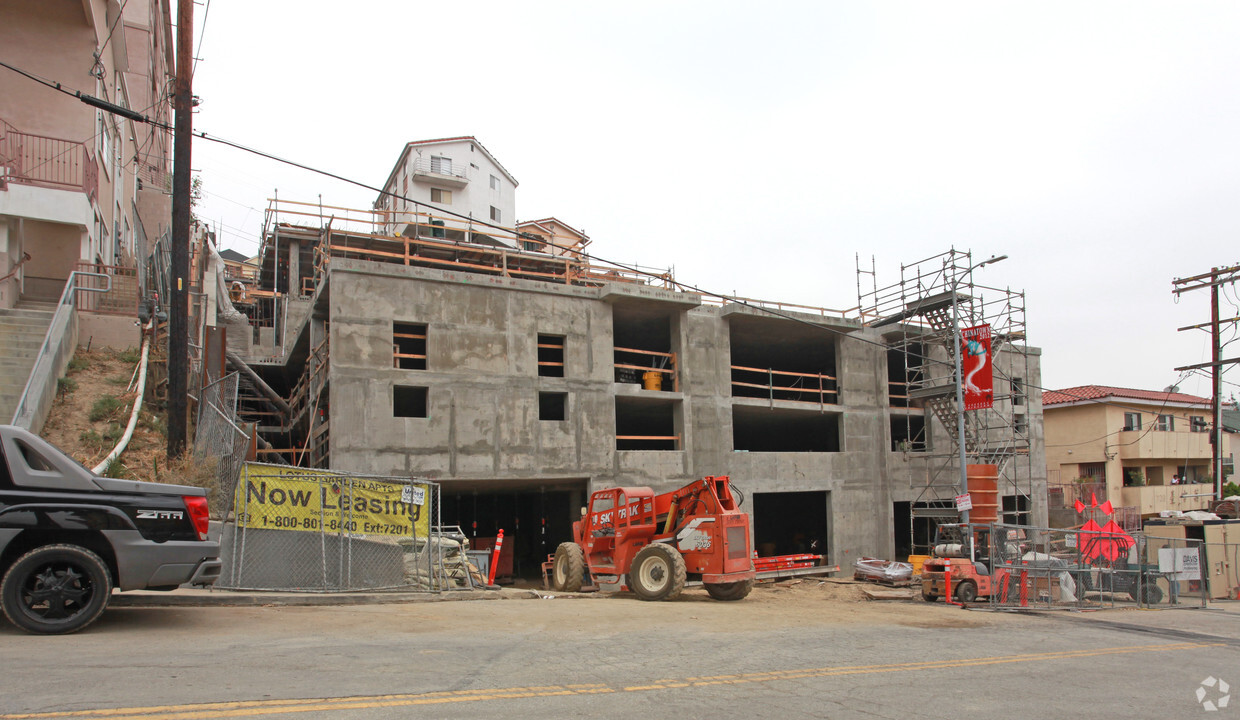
(1150, 593)
(657, 573)
(729, 591)
(569, 567)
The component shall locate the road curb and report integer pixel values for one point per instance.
(226, 598)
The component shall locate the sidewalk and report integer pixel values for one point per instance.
(198, 597)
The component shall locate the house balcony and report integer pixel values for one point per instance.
(1157, 444)
(47, 162)
(439, 171)
(1152, 499)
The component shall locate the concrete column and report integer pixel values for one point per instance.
(8, 288)
(294, 269)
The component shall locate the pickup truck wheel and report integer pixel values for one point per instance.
(730, 591)
(657, 573)
(568, 568)
(55, 589)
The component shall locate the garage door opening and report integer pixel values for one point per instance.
(534, 522)
(791, 522)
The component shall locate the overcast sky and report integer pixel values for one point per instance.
(759, 150)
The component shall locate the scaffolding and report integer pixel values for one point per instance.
(921, 317)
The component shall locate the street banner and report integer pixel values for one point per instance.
(289, 498)
(975, 368)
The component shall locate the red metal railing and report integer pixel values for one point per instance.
(28, 159)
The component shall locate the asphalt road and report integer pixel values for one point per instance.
(773, 655)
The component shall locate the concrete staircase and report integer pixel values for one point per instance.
(22, 330)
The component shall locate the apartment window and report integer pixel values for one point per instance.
(531, 246)
(1020, 424)
(105, 144)
(1094, 471)
(441, 165)
(1165, 423)
(443, 197)
(1197, 423)
(552, 406)
(409, 402)
(494, 183)
(1018, 391)
(551, 355)
(495, 214)
(1132, 421)
(409, 346)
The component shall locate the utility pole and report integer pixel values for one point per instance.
(1213, 280)
(178, 307)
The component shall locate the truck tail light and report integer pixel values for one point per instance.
(198, 513)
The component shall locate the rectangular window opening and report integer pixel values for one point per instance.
(1165, 423)
(551, 355)
(553, 406)
(1132, 421)
(443, 197)
(409, 402)
(778, 360)
(908, 434)
(1018, 391)
(642, 425)
(409, 346)
(495, 214)
(759, 429)
(494, 183)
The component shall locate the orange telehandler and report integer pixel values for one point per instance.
(630, 538)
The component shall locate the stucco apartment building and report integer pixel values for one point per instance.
(1142, 449)
(78, 184)
(450, 177)
(522, 379)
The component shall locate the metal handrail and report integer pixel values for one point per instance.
(427, 167)
(68, 298)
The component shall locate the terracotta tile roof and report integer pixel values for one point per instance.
(1099, 392)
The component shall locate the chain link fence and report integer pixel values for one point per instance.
(302, 530)
(1021, 567)
(218, 436)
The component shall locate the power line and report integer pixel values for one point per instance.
(482, 223)
(202, 32)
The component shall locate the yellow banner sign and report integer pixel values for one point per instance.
(287, 498)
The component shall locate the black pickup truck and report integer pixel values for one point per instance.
(68, 537)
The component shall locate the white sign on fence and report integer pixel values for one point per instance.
(412, 494)
(1181, 563)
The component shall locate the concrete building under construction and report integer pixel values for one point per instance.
(522, 380)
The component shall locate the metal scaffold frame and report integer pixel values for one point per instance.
(921, 317)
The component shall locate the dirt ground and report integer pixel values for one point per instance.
(785, 603)
(93, 376)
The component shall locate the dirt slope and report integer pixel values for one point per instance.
(92, 409)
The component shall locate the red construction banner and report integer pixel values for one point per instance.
(975, 367)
